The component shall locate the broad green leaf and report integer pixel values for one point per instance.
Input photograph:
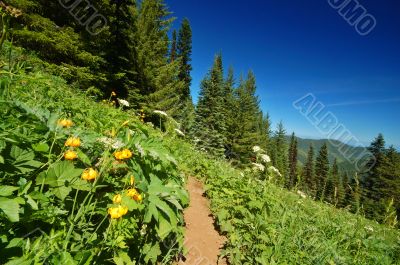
(7, 190)
(11, 208)
(62, 192)
(15, 242)
(164, 227)
(1, 160)
(152, 252)
(151, 212)
(21, 155)
(31, 202)
(83, 157)
(41, 147)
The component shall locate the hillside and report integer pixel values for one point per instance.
(334, 148)
(128, 208)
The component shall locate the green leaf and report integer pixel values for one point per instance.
(151, 212)
(31, 202)
(152, 252)
(21, 155)
(123, 259)
(15, 242)
(62, 192)
(11, 208)
(83, 157)
(1, 160)
(7, 190)
(164, 227)
(41, 147)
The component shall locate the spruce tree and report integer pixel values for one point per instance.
(210, 127)
(371, 181)
(308, 173)
(322, 171)
(184, 48)
(173, 53)
(231, 114)
(292, 159)
(279, 154)
(247, 122)
(122, 52)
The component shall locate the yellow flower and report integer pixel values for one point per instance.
(132, 181)
(117, 212)
(131, 192)
(124, 154)
(65, 123)
(70, 155)
(138, 197)
(117, 199)
(73, 142)
(89, 174)
(113, 94)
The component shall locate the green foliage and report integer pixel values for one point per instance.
(321, 172)
(266, 224)
(49, 213)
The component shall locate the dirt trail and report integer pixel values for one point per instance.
(201, 239)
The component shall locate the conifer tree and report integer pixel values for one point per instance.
(371, 181)
(308, 176)
(231, 114)
(210, 127)
(279, 154)
(292, 175)
(322, 171)
(122, 52)
(184, 48)
(173, 54)
(334, 188)
(247, 121)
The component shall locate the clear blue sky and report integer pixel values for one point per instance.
(297, 47)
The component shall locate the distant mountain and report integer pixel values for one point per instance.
(336, 150)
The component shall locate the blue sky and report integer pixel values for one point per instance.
(297, 47)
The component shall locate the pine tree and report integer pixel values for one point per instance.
(247, 131)
(173, 54)
(210, 127)
(292, 175)
(63, 44)
(322, 171)
(279, 154)
(122, 52)
(333, 184)
(184, 48)
(231, 114)
(308, 173)
(371, 184)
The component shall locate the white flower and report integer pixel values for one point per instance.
(162, 113)
(179, 132)
(123, 102)
(259, 166)
(274, 169)
(265, 158)
(116, 144)
(369, 228)
(256, 149)
(302, 194)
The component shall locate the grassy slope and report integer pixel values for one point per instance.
(264, 224)
(269, 225)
